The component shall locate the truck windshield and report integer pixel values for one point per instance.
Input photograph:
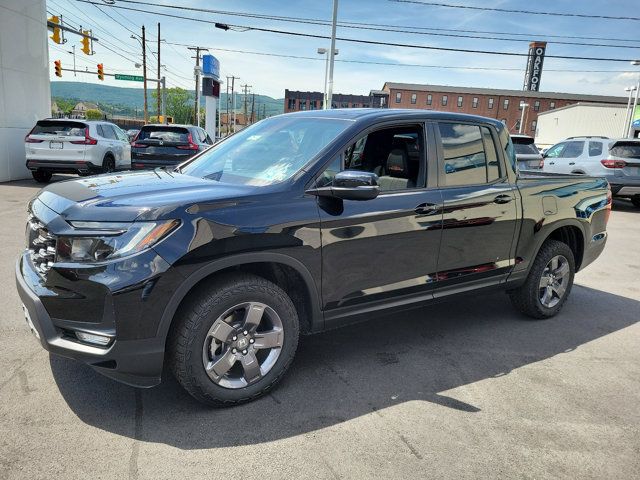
(267, 152)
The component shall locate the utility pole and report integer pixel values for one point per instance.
(332, 55)
(159, 76)
(253, 104)
(197, 74)
(144, 75)
(228, 101)
(245, 87)
(233, 101)
(264, 110)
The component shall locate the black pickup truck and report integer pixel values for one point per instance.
(297, 224)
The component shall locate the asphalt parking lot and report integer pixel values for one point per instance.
(467, 389)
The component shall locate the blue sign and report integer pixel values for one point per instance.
(210, 66)
(636, 124)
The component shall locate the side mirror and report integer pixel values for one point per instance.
(350, 185)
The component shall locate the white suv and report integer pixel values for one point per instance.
(616, 160)
(75, 146)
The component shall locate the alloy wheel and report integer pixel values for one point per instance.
(554, 281)
(242, 345)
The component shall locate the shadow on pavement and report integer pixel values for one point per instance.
(350, 372)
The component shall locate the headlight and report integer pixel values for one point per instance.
(100, 241)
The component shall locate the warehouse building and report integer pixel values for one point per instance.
(581, 119)
(500, 104)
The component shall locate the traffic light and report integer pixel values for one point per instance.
(100, 72)
(86, 47)
(57, 32)
(58, 68)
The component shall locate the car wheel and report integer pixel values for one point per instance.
(108, 164)
(636, 201)
(41, 176)
(233, 339)
(549, 282)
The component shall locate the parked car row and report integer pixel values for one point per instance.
(87, 147)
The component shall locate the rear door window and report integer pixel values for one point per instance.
(469, 154)
(109, 132)
(59, 127)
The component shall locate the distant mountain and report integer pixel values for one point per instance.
(123, 100)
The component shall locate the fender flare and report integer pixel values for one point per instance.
(317, 318)
(549, 229)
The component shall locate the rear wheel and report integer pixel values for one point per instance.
(549, 282)
(636, 201)
(108, 164)
(41, 176)
(234, 340)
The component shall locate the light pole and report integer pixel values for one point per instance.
(625, 128)
(325, 51)
(332, 57)
(635, 102)
(523, 106)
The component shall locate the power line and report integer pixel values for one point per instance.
(508, 10)
(367, 62)
(367, 42)
(383, 27)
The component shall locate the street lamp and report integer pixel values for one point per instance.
(325, 51)
(523, 106)
(630, 130)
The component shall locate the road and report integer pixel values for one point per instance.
(467, 389)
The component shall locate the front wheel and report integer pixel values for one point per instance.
(234, 339)
(549, 282)
(636, 201)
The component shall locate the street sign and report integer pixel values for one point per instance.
(130, 78)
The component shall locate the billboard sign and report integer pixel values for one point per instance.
(210, 66)
(533, 74)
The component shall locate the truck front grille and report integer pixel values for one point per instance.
(41, 244)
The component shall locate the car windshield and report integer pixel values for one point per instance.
(267, 152)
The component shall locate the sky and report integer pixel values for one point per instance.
(271, 75)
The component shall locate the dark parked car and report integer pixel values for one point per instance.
(167, 145)
(528, 155)
(296, 224)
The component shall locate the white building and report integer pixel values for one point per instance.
(580, 119)
(25, 95)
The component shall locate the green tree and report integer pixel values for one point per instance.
(179, 104)
(93, 114)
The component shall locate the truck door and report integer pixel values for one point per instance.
(479, 208)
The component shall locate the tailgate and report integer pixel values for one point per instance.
(627, 151)
(56, 140)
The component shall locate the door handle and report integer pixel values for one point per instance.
(572, 163)
(552, 163)
(427, 209)
(502, 199)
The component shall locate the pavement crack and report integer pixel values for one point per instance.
(137, 435)
(410, 447)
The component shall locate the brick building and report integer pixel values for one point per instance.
(295, 101)
(500, 104)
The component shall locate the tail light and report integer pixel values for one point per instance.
(191, 146)
(28, 138)
(88, 140)
(609, 204)
(611, 163)
(541, 164)
(138, 145)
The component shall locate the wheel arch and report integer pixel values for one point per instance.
(287, 272)
(570, 233)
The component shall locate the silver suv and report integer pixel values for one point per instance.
(616, 160)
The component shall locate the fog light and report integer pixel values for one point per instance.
(101, 340)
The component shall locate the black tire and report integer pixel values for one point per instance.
(636, 201)
(527, 297)
(41, 176)
(108, 164)
(197, 315)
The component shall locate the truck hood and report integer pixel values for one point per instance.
(125, 197)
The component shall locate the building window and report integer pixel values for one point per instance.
(429, 99)
(292, 104)
(474, 103)
(398, 97)
(534, 124)
(445, 99)
(505, 104)
(460, 102)
(303, 104)
(491, 104)
(344, 105)
(355, 105)
(312, 105)
(536, 106)
(414, 98)
(520, 104)
(552, 105)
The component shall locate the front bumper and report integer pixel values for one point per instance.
(136, 362)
